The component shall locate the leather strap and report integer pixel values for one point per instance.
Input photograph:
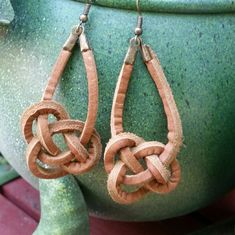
(44, 158)
(161, 171)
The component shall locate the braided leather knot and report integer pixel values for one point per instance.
(158, 177)
(44, 158)
(153, 165)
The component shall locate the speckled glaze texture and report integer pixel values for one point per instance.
(197, 54)
(62, 204)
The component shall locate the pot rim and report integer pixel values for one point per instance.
(169, 6)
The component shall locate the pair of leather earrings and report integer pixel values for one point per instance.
(46, 160)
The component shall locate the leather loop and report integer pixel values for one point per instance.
(44, 158)
(75, 160)
(153, 165)
(119, 142)
(114, 186)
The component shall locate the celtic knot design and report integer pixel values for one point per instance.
(129, 160)
(42, 150)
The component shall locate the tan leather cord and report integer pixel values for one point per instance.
(162, 173)
(56, 73)
(44, 157)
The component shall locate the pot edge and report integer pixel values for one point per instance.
(168, 6)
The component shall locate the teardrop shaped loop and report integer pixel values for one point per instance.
(162, 173)
(41, 146)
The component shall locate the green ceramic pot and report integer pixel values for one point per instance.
(195, 43)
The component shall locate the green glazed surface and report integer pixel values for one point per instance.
(63, 209)
(176, 6)
(197, 54)
(7, 173)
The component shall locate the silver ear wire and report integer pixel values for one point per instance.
(138, 29)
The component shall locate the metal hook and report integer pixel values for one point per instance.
(138, 7)
(138, 29)
(84, 16)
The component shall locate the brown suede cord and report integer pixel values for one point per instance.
(44, 157)
(162, 173)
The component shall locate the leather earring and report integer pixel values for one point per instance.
(44, 158)
(163, 171)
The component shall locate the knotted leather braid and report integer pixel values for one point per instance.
(162, 173)
(44, 158)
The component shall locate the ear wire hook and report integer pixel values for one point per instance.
(138, 29)
(84, 16)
